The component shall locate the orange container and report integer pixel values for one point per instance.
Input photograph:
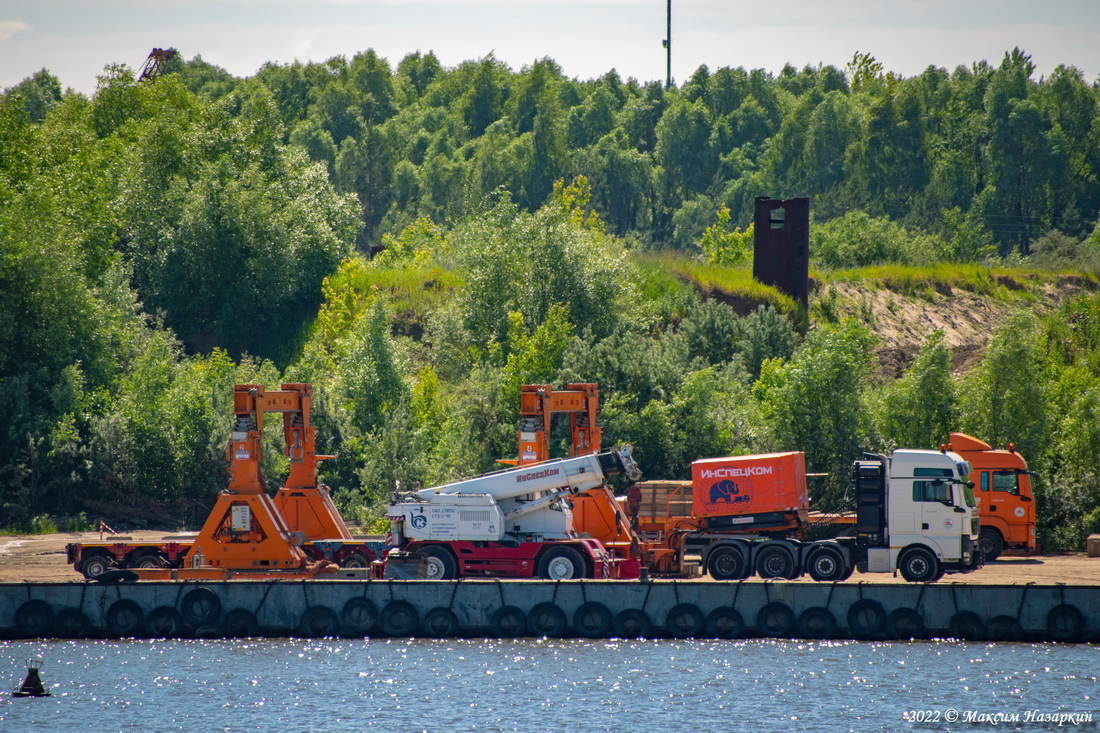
(769, 482)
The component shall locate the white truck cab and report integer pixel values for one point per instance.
(917, 514)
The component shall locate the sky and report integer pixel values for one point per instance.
(76, 39)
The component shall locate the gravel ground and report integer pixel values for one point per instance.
(42, 558)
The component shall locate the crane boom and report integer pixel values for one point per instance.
(489, 507)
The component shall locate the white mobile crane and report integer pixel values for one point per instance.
(515, 523)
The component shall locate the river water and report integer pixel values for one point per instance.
(289, 685)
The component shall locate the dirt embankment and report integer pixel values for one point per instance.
(903, 323)
(41, 558)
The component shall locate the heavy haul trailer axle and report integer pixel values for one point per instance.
(299, 530)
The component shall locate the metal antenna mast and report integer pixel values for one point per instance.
(667, 43)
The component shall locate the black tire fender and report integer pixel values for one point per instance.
(592, 620)
(775, 619)
(684, 621)
(633, 623)
(1066, 623)
(966, 625)
(125, 619)
(200, 607)
(866, 618)
(399, 618)
(359, 615)
(240, 623)
(546, 619)
(440, 623)
(34, 619)
(71, 623)
(817, 622)
(164, 622)
(905, 624)
(508, 622)
(318, 622)
(1005, 628)
(725, 622)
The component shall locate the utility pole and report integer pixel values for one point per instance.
(667, 43)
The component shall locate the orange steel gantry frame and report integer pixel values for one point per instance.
(247, 530)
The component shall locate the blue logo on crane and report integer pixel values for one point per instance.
(419, 521)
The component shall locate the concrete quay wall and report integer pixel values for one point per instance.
(592, 609)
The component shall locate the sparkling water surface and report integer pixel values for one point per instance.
(397, 685)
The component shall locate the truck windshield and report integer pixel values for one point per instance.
(968, 491)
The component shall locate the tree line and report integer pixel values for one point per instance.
(164, 240)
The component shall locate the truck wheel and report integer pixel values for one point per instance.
(441, 563)
(726, 563)
(355, 561)
(561, 563)
(146, 561)
(990, 544)
(95, 565)
(775, 562)
(827, 565)
(919, 565)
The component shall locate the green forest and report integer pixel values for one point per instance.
(418, 241)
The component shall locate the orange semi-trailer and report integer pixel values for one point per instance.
(1006, 505)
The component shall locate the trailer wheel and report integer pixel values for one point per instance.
(866, 618)
(441, 564)
(827, 565)
(775, 561)
(632, 624)
(990, 544)
(905, 624)
(561, 563)
(817, 623)
(164, 622)
(94, 565)
(146, 561)
(359, 615)
(355, 561)
(919, 565)
(546, 619)
(440, 623)
(592, 620)
(726, 563)
(725, 622)
(684, 621)
(71, 623)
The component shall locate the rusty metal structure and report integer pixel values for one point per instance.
(155, 65)
(781, 246)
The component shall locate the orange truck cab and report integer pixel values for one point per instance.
(1006, 504)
